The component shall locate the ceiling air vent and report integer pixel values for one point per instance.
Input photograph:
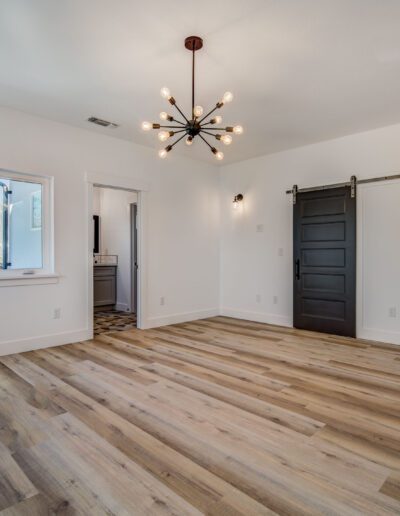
(103, 123)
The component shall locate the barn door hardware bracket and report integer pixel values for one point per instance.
(294, 192)
(353, 185)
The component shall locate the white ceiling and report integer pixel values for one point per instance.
(301, 70)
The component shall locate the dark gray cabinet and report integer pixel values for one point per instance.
(105, 285)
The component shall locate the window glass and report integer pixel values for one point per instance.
(3, 215)
(22, 244)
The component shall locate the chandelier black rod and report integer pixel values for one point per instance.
(171, 126)
(178, 140)
(204, 140)
(177, 107)
(213, 128)
(208, 114)
(193, 64)
(210, 134)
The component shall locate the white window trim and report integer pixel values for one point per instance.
(45, 274)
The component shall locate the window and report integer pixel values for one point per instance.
(25, 225)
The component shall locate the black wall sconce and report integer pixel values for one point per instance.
(237, 199)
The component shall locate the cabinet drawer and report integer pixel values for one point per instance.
(104, 291)
(104, 271)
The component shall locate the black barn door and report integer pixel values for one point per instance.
(324, 225)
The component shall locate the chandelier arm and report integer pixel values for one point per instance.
(172, 126)
(176, 105)
(210, 134)
(178, 121)
(213, 128)
(205, 141)
(208, 114)
(178, 140)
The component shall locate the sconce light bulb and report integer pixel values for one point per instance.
(165, 93)
(146, 126)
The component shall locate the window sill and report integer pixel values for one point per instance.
(19, 280)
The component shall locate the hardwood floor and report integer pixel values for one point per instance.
(217, 416)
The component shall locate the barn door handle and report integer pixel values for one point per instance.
(297, 269)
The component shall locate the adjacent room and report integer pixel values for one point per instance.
(114, 259)
(199, 257)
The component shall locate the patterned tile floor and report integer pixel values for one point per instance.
(105, 322)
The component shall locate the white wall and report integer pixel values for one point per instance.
(251, 264)
(115, 236)
(182, 227)
(187, 261)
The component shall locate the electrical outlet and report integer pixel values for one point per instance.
(258, 298)
(392, 311)
(162, 300)
(275, 300)
(57, 313)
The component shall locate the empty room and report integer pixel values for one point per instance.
(199, 257)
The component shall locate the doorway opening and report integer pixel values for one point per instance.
(115, 259)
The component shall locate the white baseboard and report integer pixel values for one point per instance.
(389, 337)
(155, 322)
(47, 341)
(279, 320)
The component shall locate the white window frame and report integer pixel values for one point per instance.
(45, 274)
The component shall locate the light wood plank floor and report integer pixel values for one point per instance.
(217, 416)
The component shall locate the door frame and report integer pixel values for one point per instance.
(133, 219)
(132, 184)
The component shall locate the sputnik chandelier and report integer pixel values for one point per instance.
(196, 124)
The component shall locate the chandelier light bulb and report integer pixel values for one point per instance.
(197, 111)
(162, 153)
(163, 135)
(219, 155)
(165, 93)
(163, 115)
(238, 129)
(228, 97)
(146, 126)
(218, 119)
(226, 139)
(189, 140)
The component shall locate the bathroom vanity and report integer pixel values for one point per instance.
(104, 286)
